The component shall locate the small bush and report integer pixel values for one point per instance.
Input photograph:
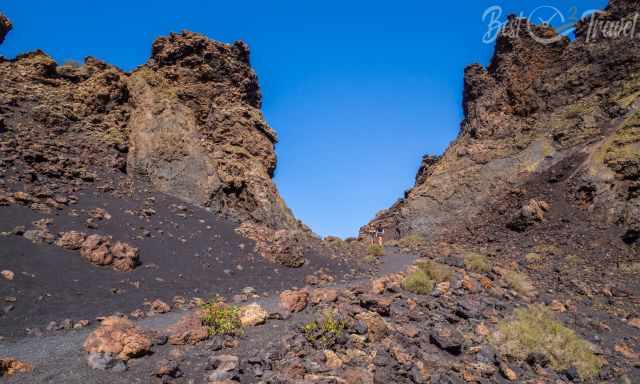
(533, 258)
(519, 282)
(418, 282)
(413, 242)
(375, 250)
(630, 267)
(435, 271)
(477, 262)
(221, 318)
(534, 330)
(326, 331)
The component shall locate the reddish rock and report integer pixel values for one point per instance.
(10, 366)
(159, 306)
(252, 315)
(323, 295)
(7, 274)
(72, 240)
(125, 256)
(119, 337)
(280, 246)
(294, 301)
(377, 327)
(100, 250)
(188, 330)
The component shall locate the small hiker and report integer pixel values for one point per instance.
(372, 235)
(380, 235)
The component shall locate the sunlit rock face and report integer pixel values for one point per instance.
(563, 113)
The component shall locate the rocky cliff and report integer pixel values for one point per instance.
(562, 114)
(188, 121)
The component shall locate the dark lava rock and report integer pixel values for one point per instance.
(448, 339)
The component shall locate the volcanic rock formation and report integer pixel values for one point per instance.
(560, 113)
(188, 121)
(5, 27)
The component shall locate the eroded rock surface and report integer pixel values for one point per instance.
(5, 27)
(564, 113)
(196, 130)
(118, 337)
(188, 121)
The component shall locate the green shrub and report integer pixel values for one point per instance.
(418, 282)
(435, 271)
(477, 262)
(326, 331)
(221, 318)
(375, 250)
(413, 242)
(535, 330)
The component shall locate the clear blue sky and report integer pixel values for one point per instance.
(357, 90)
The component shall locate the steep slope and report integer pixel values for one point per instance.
(535, 108)
(188, 121)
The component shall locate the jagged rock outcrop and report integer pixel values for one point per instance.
(188, 121)
(196, 130)
(5, 27)
(534, 109)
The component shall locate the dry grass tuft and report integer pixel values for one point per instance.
(375, 250)
(535, 330)
(412, 242)
(476, 262)
(519, 282)
(435, 271)
(418, 282)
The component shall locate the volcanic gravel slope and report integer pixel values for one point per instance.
(184, 251)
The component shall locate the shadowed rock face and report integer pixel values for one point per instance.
(534, 107)
(188, 121)
(196, 130)
(5, 27)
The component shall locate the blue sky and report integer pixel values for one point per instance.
(358, 91)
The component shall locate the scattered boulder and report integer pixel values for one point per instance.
(119, 337)
(125, 256)
(225, 367)
(99, 250)
(167, 369)
(529, 214)
(323, 295)
(71, 240)
(448, 339)
(252, 315)
(7, 274)
(377, 328)
(281, 246)
(10, 366)
(159, 306)
(188, 330)
(294, 301)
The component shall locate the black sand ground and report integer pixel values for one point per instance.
(59, 358)
(184, 251)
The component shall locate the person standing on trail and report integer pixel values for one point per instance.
(380, 235)
(372, 235)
